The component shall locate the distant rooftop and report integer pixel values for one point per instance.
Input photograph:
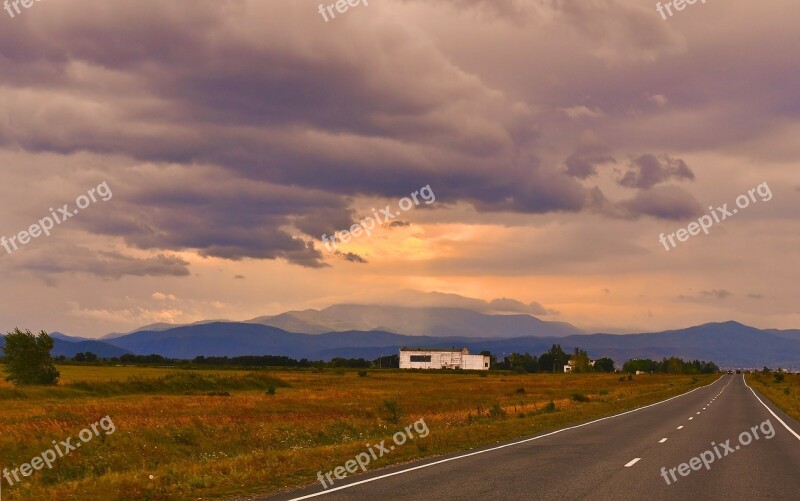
(459, 350)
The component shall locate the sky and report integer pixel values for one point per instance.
(215, 142)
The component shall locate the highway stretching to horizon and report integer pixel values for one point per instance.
(633, 455)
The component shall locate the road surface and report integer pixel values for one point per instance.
(619, 458)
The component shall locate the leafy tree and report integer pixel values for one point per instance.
(580, 361)
(85, 357)
(604, 364)
(28, 358)
(554, 359)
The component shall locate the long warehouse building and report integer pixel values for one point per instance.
(442, 359)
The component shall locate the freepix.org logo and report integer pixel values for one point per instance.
(47, 223)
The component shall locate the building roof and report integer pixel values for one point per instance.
(453, 350)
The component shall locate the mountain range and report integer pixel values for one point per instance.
(370, 331)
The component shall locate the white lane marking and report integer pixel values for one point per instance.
(632, 462)
(770, 411)
(427, 465)
(691, 418)
(680, 427)
(704, 408)
(662, 440)
(698, 412)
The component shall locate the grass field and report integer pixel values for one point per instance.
(215, 434)
(785, 394)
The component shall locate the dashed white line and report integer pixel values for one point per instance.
(698, 412)
(680, 427)
(632, 462)
(470, 454)
(662, 440)
(691, 418)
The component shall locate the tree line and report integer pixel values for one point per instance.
(671, 365)
(553, 360)
(28, 361)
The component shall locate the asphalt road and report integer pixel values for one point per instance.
(617, 458)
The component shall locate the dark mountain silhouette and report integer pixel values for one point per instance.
(728, 344)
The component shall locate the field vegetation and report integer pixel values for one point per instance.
(782, 389)
(215, 434)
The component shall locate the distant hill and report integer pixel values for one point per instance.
(727, 344)
(438, 322)
(161, 326)
(71, 339)
(236, 339)
(69, 346)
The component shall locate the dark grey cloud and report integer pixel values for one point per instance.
(648, 170)
(664, 202)
(589, 153)
(350, 256)
(62, 259)
(399, 224)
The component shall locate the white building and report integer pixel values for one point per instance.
(442, 359)
(570, 367)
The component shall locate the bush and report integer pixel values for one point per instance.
(521, 389)
(271, 390)
(550, 407)
(362, 373)
(778, 377)
(392, 412)
(580, 397)
(27, 358)
(496, 412)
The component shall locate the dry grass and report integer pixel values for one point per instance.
(198, 446)
(784, 394)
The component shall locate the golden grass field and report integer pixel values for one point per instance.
(784, 394)
(215, 447)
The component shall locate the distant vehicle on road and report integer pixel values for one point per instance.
(738, 371)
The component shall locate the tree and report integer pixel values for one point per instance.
(554, 359)
(85, 357)
(604, 364)
(580, 361)
(28, 358)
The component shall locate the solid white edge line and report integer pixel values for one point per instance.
(632, 462)
(309, 496)
(770, 410)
